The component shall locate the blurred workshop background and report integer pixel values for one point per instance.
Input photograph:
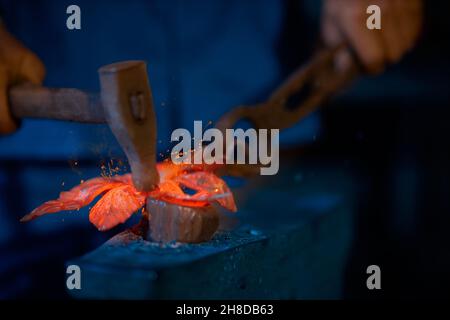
(382, 148)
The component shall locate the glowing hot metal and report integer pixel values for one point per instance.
(120, 199)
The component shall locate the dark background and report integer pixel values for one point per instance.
(391, 130)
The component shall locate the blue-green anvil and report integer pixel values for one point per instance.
(293, 241)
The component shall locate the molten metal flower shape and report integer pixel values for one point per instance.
(120, 199)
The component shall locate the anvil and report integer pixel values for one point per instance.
(299, 252)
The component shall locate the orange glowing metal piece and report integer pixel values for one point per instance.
(120, 199)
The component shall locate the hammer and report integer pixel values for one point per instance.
(125, 104)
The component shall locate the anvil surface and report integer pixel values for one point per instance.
(292, 241)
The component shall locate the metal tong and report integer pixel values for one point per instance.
(302, 93)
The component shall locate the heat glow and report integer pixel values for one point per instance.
(119, 198)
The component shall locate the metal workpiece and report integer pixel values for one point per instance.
(170, 222)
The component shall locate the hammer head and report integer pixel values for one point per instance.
(127, 101)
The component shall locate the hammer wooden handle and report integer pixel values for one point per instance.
(125, 103)
(59, 104)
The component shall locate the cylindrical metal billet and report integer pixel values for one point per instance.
(170, 222)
